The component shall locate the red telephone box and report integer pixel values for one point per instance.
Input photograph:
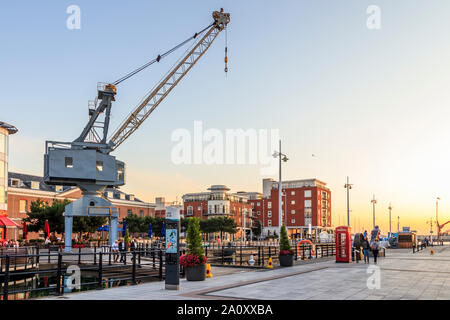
(343, 244)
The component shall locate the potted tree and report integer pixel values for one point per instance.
(286, 256)
(194, 261)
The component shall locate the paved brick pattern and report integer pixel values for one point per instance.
(403, 275)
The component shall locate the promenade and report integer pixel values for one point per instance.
(402, 275)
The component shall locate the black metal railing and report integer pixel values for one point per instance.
(421, 246)
(258, 256)
(99, 269)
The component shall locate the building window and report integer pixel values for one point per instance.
(292, 193)
(141, 213)
(15, 182)
(23, 206)
(258, 204)
(269, 214)
(59, 188)
(35, 185)
(308, 204)
(190, 211)
(293, 211)
(68, 162)
(269, 205)
(293, 202)
(100, 166)
(120, 171)
(129, 212)
(292, 221)
(199, 208)
(307, 193)
(269, 223)
(258, 213)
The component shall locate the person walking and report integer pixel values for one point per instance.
(123, 250)
(375, 246)
(366, 248)
(115, 250)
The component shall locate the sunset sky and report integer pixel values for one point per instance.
(369, 104)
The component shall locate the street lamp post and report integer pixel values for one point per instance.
(390, 231)
(348, 186)
(398, 224)
(373, 205)
(437, 221)
(283, 157)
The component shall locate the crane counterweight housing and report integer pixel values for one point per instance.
(86, 162)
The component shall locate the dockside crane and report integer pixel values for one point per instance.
(87, 162)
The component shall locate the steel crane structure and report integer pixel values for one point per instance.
(87, 163)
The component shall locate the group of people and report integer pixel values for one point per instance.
(371, 245)
(119, 248)
(10, 244)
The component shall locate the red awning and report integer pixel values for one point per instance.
(7, 222)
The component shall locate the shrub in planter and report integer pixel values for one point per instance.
(194, 260)
(286, 255)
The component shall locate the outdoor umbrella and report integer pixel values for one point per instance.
(24, 229)
(47, 229)
(124, 228)
(150, 231)
(163, 230)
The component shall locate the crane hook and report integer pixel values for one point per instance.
(226, 60)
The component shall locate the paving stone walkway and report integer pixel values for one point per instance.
(402, 275)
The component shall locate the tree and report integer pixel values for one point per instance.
(41, 211)
(194, 239)
(136, 223)
(87, 224)
(284, 241)
(257, 228)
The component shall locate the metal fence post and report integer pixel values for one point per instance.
(154, 258)
(296, 253)
(79, 255)
(58, 275)
(133, 274)
(222, 255)
(160, 265)
(95, 254)
(6, 279)
(241, 255)
(100, 270)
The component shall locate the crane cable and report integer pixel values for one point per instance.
(159, 57)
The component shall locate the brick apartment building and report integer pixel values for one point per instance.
(220, 202)
(25, 188)
(161, 205)
(304, 202)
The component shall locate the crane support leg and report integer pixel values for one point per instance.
(68, 223)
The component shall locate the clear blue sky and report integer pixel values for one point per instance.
(369, 104)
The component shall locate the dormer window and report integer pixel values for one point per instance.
(59, 188)
(15, 182)
(110, 194)
(35, 185)
(131, 196)
(122, 196)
